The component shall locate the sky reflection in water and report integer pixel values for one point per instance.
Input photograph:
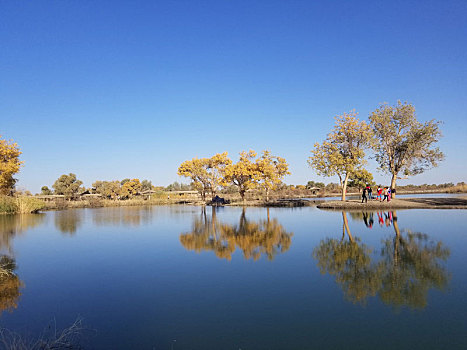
(233, 278)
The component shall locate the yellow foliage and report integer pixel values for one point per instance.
(342, 153)
(206, 173)
(131, 188)
(271, 170)
(242, 174)
(9, 165)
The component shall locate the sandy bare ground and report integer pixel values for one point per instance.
(406, 203)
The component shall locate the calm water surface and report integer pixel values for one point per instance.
(182, 277)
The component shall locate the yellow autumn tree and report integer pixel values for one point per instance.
(108, 189)
(206, 173)
(343, 151)
(242, 174)
(195, 170)
(9, 165)
(271, 170)
(215, 169)
(130, 188)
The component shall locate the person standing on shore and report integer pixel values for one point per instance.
(370, 191)
(389, 194)
(385, 193)
(364, 197)
(379, 192)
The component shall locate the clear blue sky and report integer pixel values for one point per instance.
(117, 89)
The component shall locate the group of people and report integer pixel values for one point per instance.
(382, 194)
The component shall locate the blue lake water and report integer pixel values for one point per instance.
(184, 277)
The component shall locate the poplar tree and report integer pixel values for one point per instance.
(403, 144)
(343, 151)
(9, 165)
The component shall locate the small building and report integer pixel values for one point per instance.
(314, 190)
(90, 196)
(183, 195)
(50, 197)
(147, 194)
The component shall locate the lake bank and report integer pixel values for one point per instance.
(353, 203)
(406, 203)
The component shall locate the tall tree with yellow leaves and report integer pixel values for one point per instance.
(131, 188)
(271, 170)
(215, 168)
(206, 173)
(243, 174)
(343, 151)
(9, 165)
(195, 169)
(402, 143)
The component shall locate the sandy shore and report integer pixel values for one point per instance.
(405, 203)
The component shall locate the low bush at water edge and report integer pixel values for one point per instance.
(20, 205)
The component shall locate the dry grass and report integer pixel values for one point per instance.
(20, 205)
(68, 338)
(457, 189)
(28, 205)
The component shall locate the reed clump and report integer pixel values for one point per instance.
(7, 205)
(26, 205)
(460, 188)
(20, 205)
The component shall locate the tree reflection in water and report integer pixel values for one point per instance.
(68, 221)
(10, 284)
(350, 262)
(13, 225)
(253, 238)
(410, 265)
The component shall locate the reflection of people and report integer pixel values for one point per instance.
(368, 219)
(371, 221)
(380, 218)
(388, 218)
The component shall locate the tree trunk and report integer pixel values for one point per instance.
(346, 226)
(267, 194)
(242, 194)
(393, 185)
(344, 186)
(396, 225)
(213, 194)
